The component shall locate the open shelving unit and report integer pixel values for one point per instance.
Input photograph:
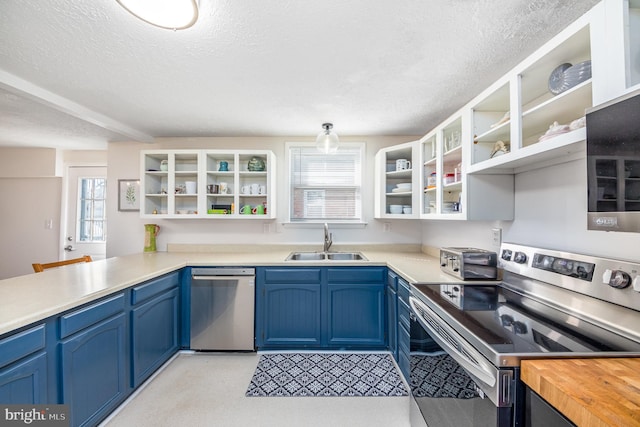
(220, 192)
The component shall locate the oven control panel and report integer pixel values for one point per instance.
(517, 257)
(567, 267)
(607, 279)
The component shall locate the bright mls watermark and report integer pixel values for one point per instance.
(34, 415)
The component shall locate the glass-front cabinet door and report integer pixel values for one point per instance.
(397, 183)
(451, 176)
(429, 147)
(441, 153)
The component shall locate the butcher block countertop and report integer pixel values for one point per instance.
(589, 392)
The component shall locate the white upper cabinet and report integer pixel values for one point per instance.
(531, 117)
(213, 184)
(534, 115)
(441, 154)
(617, 42)
(397, 178)
(449, 193)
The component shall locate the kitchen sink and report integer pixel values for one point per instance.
(346, 256)
(305, 256)
(326, 256)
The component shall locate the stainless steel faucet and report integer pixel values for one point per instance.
(327, 238)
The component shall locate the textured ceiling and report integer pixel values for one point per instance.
(256, 67)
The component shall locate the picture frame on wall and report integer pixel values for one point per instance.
(128, 195)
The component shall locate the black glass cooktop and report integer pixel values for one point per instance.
(512, 323)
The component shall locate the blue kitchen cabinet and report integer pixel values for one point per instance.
(356, 307)
(392, 313)
(320, 308)
(154, 325)
(288, 307)
(23, 367)
(404, 327)
(93, 360)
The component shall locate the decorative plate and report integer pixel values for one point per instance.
(556, 79)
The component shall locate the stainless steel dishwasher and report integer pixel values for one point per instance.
(222, 309)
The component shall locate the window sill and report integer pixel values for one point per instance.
(332, 224)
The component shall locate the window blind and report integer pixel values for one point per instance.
(325, 186)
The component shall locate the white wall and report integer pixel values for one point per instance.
(31, 189)
(126, 231)
(550, 212)
(16, 162)
(26, 204)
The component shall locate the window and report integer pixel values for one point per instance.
(92, 220)
(325, 187)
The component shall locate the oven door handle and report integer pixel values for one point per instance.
(462, 352)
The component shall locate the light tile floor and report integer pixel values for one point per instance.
(209, 390)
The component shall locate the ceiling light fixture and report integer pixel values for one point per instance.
(327, 140)
(169, 14)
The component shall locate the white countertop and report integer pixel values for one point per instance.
(34, 297)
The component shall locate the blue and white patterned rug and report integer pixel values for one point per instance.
(326, 374)
(438, 375)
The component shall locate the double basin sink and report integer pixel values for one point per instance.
(326, 256)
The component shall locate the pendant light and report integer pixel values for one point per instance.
(169, 14)
(327, 140)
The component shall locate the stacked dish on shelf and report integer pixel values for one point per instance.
(400, 209)
(404, 187)
(565, 76)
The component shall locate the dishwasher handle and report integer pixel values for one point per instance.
(222, 271)
(218, 278)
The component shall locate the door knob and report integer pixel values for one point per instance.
(69, 248)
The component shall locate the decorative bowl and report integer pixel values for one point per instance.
(256, 164)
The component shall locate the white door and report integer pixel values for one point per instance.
(86, 226)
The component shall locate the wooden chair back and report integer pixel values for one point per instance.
(38, 268)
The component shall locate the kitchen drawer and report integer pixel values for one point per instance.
(21, 344)
(292, 275)
(153, 287)
(80, 319)
(356, 275)
(404, 313)
(404, 290)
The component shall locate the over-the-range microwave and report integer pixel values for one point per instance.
(613, 164)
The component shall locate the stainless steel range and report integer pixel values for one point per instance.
(548, 304)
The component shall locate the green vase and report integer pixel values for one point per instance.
(150, 233)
